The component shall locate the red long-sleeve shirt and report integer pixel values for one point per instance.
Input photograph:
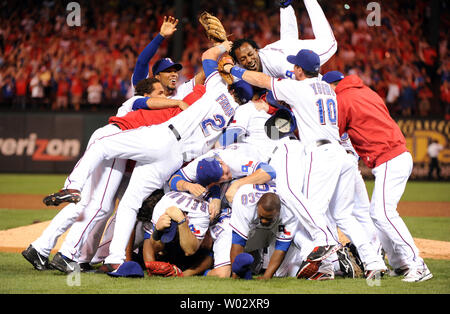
(363, 114)
(143, 117)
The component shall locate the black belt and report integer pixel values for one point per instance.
(322, 142)
(175, 132)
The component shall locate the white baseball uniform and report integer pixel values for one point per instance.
(250, 122)
(159, 154)
(221, 235)
(361, 209)
(273, 56)
(329, 174)
(97, 201)
(240, 158)
(196, 209)
(244, 221)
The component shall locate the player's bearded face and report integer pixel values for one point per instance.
(248, 57)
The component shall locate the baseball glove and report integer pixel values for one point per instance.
(226, 59)
(213, 27)
(163, 269)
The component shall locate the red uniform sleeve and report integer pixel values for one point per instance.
(198, 91)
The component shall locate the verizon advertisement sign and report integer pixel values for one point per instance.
(41, 149)
(40, 143)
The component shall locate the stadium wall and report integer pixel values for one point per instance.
(52, 143)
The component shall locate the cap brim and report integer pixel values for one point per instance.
(124, 270)
(291, 59)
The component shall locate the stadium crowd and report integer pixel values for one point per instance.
(45, 64)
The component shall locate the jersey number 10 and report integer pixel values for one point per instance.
(330, 109)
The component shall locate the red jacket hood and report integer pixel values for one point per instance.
(351, 81)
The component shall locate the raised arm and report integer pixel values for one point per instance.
(140, 72)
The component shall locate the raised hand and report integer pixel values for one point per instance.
(169, 26)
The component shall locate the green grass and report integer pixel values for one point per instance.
(419, 191)
(12, 218)
(18, 276)
(30, 183)
(44, 184)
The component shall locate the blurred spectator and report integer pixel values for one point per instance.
(76, 92)
(407, 98)
(21, 91)
(62, 93)
(433, 152)
(37, 91)
(94, 96)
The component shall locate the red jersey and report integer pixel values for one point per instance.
(144, 117)
(363, 114)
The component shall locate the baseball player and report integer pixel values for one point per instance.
(189, 216)
(185, 136)
(329, 173)
(98, 193)
(165, 70)
(248, 125)
(272, 58)
(217, 166)
(381, 145)
(259, 219)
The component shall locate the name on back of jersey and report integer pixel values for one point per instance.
(322, 89)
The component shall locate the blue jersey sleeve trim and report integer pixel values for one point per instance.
(140, 103)
(237, 239)
(175, 178)
(282, 245)
(209, 66)
(267, 168)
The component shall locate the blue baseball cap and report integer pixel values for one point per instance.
(170, 232)
(243, 90)
(163, 64)
(209, 170)
(128, 269)
(242, 266)
(306, 59)
(332, 76)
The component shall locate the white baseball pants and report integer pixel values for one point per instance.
(390, 182)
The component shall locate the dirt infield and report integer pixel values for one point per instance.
(17, 239)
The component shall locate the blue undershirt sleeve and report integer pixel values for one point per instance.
(237, 239)
(209, 66)
(140, 103)
(141, 69)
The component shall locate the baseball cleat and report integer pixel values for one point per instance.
(322, 252)
(418, 274)
(64, 264)
(345, 263)
(69, 196)
(39, 261)
(399, 271)
(321, 276)
(307, 269)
